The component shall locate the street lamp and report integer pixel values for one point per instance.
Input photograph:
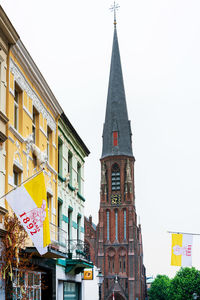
(194, 295)
(101, 278)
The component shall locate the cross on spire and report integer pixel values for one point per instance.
(114, 8)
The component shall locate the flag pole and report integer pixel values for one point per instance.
(178, 232)
(37, 173)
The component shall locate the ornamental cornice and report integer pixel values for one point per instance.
(24, 85)
(7, 28)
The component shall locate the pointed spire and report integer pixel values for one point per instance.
(117, 130)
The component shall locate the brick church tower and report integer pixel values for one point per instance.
(116, 242)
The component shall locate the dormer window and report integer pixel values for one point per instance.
(115, 178)
(115, 138)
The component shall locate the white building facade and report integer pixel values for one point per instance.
(71, 155)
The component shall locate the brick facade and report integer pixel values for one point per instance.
(120, 255)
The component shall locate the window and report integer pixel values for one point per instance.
(34, 160)
(16, 175)
(115, 178)
(35, 125)
(17, 107)
(124, 224)
(78, 227)
(108, 225)
(49, 143)
(59, 214)
(16, 110)
(69, 224)
(26, 283)
(49, 204)
(70, 166)
(115, 138)
(124, 264)
(120, 264)
(116, 225)
(79, 176)
(111, 264)
(71, 290)
(60, 157)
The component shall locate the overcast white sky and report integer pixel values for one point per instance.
(159, 40)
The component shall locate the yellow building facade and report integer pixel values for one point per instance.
(32, 131)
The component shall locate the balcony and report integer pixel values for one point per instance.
(78, 249)
(58, 238)
(78, 257)
(60, 247)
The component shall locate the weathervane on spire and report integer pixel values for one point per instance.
(114, 8)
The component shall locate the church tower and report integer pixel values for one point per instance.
(119, 251)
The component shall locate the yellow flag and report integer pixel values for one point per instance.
(37, 190)
(181, 251)
(29, 203)
(176, 241)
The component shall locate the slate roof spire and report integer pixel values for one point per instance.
(117, 131)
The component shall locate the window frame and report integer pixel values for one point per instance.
(116, 224)
(16, 287)
(35, 115)
(108, 225)
(115, 178)
(60, 156)
(16, 110)
(79, 176)
(69, 158)
(49, 144)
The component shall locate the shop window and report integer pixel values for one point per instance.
(71, 290)
(26, 283)
(115, 178)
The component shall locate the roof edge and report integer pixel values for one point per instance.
(69, 124)
(7, 27)
(33, 72)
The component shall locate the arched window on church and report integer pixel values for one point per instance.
(124, 224)
(115, 178)
(116, 225)
(108, 225)
(111, 261)
(122, 261)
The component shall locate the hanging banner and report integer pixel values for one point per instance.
(181, 250)
(29, 203)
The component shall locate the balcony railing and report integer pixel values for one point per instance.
(76, 249)
(58, 238)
